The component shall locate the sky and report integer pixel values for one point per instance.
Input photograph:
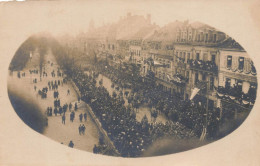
(73, 17)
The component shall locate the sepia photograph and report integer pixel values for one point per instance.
(133, 83)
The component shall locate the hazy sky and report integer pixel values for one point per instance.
(74, 16)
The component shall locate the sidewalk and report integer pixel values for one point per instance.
(55, 129)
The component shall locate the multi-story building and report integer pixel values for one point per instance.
(237, 80)
(182, 57)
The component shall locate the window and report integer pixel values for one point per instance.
(214, 37)
(210, 105)
(229, 61)
(205, 57)
(206, 37)
(213, 58)
(239, 85)
(188, 56)
(204, 77)
(197, 56)
(241, 63)
(252, 90)
(187, 75)
(196, 78)
(198, 38)
(211, 85)
(253, 67)
(184, 55)
(228, 83)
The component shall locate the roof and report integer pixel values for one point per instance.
(166, 33)
(144, 32)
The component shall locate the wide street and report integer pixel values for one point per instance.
(62, 133)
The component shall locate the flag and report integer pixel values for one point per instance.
(93, 100)
(194, 93)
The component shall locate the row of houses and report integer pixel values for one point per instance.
(182, 56)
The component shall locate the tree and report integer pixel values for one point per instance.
(42, 51)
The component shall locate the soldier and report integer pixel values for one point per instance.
(70, 106)
(83, 128)
(76, 107)
(60, 110)
(55, 111)
(80, 117)
(63, 119)
(80, 129)
(71, 116)
(85, 116)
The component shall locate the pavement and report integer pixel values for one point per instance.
(55, 129)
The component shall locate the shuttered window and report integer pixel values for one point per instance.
(229, 61)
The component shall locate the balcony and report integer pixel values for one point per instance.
(178, 79)
(235, 95)
(203, 65)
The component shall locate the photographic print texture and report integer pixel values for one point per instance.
(132, 88)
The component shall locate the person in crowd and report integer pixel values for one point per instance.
(72, 116)
(71, 144)
(83, 128)
(80, 117)
(76, 106)
(85, 116)
(95, 149)
(63, 119)
(80, 129)
(70, 106)
(55, 111)
(60, 111)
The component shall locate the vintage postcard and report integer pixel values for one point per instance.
(129, 82)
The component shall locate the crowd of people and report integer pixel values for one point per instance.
(144, 91)
(82, 129)
(129, 136)
(205, 65)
